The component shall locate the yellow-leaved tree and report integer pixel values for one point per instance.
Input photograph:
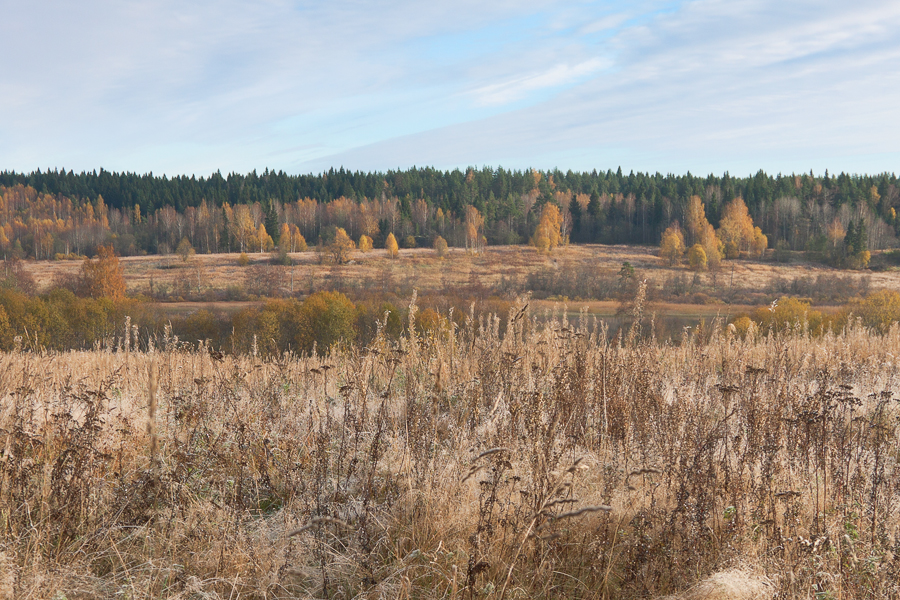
(266, 243)
(700, 231)
(341, 246)
(474, 225)
(298, 242)
(671, 246)
(240, 225)
(323, 320)
(697, 258)
(760, 242)
(284, 238)
(694, 220)
(365, 243)
(390, 244)
(548, 233)
(736, 228)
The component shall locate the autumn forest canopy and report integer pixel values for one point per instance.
(50, 214)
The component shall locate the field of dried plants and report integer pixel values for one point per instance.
(505, 458)
(585, 271)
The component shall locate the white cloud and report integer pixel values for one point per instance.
(510, 91)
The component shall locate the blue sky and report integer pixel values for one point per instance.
(189, 87)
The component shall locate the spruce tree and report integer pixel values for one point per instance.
(575, 211)
(271, 216)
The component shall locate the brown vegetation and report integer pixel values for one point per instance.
(103, 278)
(585, 272)
(487, 458)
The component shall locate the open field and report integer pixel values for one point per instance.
(576, 273)
(541, 463)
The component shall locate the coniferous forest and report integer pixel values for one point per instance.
(48, 214)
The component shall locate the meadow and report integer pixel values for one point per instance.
(602, 278)
(498, 269)
(496, 457)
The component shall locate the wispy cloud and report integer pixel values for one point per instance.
(189, 87)
(604, 24)
(515, 89)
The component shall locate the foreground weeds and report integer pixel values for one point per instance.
(546, 461)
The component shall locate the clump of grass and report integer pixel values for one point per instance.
(732, 584)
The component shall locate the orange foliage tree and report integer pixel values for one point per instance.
(103, 278)
(474, 227)
(548, 233)
(737, 232)
(700, 231)
(341, 247)
(391, 246)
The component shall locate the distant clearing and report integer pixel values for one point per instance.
(501, 270)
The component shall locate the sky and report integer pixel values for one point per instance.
(706, 86)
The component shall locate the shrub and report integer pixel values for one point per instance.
(440, 246)
(324, 319)
(879, 310)
(742, 325)
(184, 250)
(782, 251)
(243, 260)
(786, 314)
(201, 325)
(429, 321)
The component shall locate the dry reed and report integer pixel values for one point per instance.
(536, 459)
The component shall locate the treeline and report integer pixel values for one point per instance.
(57, 213)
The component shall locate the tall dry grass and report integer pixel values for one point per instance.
(548, 461)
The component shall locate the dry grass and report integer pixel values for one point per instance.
(733, 584)
(545, 462)
(423, 270)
